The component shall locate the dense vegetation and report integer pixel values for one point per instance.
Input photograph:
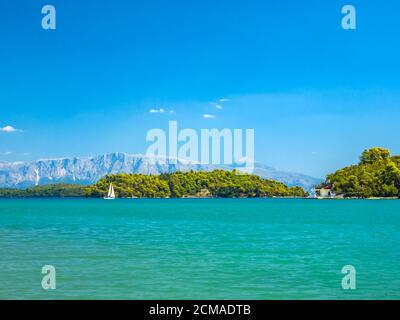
(376, 175)
(217, 183)
(53, 190)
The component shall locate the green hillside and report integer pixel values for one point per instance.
(376, 175)
(52, 190)
(217, 183)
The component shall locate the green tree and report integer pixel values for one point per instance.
(374, 154)
(376, 175)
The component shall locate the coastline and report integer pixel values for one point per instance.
(183, 198)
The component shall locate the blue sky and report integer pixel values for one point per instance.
(316, 95)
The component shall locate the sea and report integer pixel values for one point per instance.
(200, 249)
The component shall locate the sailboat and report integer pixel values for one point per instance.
(111, 193)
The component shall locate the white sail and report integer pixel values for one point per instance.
(111, 193)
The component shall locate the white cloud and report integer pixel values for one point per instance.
(218, 106)
(208, 116)
(9, 129)
(7, 153)
(223, 100)
(160, 110)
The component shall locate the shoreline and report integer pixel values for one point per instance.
(185, 198)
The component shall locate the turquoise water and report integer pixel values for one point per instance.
(199, 248)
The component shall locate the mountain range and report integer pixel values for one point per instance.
(87, 170)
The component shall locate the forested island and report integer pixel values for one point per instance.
(376, 175)
(217, 183)
(59, 190)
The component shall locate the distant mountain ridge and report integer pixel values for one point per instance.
(88, 170)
